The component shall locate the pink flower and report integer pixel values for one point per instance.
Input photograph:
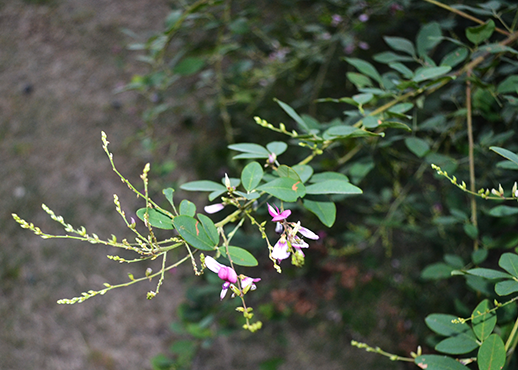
(280, 250)
(224, 273)
(278, 215)
(248, 283)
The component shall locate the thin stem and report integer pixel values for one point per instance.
(465, 15)
(471, 156)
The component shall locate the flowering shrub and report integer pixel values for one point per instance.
(427, 107)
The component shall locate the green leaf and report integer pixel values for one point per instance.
(488, 273)
(483, 322)
(323, 176)
(429, 73)
(203, 185)
(457, 345)
(189, 66)
(503, 211)
(454, 261)
(169, 195)
(506, 287)
(403, 69)
(428, 37)
(394, 124)
(209, 227)
(497, 48)
(417, 146)
(401, 108)
(365, 67)
(389, 57)
(239, 256)
(437, 362)
(478, 256)
(437, 271)
(443, 324)
(325, 211)
(187, 208)
(291, 112)
(400, 44)
(250, 150)
(344, 131)
(509, 85)
(251, 175)
(471, 231)
(455, 57)
(362, 99)
(193, 233)
(304, 171)
(505, 153)
(277, 147)
(492, 355)
(156, 218)
(284, 188)
(287, 171)
(509, 262)
(333, 187)
(358, 80)
(480, 33)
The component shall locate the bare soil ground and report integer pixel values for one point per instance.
(59, 64)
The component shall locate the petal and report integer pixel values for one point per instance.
(213, 208)
(308, 233)
(280, 251)
(224, 289)
(279, 228)
(227, 274)
(271, 210)
(299, 244)
(212, 264)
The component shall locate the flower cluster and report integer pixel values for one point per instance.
(229, 276)
(289, 242)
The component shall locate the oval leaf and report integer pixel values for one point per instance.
(417, 146)
(325, 211)
(203, 185)
(304, 171)
(437, 362)
(187, 208)
(509, 262)
(491, 355)
(506, 287)
(284, 188)
(209, 227)
(333, 187)
(443, 324)
(251, 175)
(483, 322)
(277, 147)
(503, 211)
(251, 150)
(428, 73)
(505, 153)
(239, 256)
(457, 345)
(489, 273)
(156, 218)
(192, 231)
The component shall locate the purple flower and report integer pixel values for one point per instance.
(336, 20)
(213, 208)
(224, 273)
(363, 18)
(278, 215)
(308, 233)
(248, 283)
